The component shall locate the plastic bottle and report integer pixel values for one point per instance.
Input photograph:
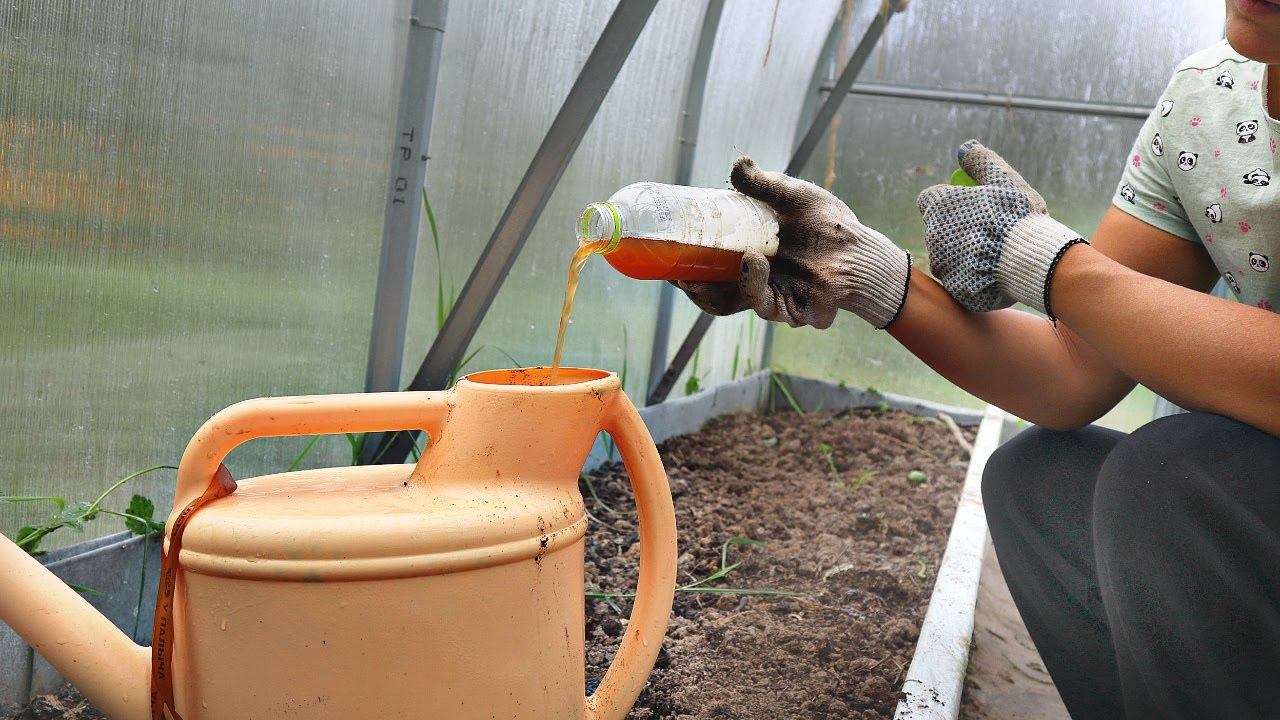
(652, 231)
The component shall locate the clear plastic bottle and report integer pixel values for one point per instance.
(652, 231)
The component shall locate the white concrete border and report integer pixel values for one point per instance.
(935, 679)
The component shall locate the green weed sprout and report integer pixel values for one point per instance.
(701, 586)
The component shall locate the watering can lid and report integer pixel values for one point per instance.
(362, 523)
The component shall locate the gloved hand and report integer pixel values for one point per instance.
(992, 244)
(826, 260)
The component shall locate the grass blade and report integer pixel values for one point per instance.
(298, 460)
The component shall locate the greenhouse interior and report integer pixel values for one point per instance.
(930, 366)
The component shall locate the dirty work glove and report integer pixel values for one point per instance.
(993, 244)
(826, 260)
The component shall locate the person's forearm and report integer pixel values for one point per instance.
(1012, 359)
(1201, 352)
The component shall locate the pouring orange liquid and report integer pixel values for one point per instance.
(645, 259)
(651, 231)
(580, 257)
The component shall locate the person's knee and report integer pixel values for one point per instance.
(1173, 468)
(1177, 452)
(1038, 464)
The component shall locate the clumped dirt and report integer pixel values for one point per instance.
(833, 512)
(67, 704)
(862, 543)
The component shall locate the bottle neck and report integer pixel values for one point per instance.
(599, 222)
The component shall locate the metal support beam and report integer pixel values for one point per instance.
(822, 120)
(404, 194)
(686, 350)
(691, 119)
(799, 158)
(823, 71)
(526, 205)
(967, 97)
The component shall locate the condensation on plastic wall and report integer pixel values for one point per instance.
(891, 149)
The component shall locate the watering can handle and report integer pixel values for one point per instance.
(302, 415)
(202, 477)
(655, 590)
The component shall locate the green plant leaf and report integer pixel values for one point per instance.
(305, 451)
(699, 586)
(693, 384)
(509, 356)
(736, 541)
(15, 499)
(84, 589)
(140, 520)
(28, 538)
(75, 516)
(785, 389)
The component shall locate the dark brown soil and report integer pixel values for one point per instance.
(67, 704)
(861, 543)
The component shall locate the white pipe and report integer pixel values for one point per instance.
(936, 677)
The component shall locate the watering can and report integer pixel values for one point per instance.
(450, 589)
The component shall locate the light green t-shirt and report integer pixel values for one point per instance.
(1204, 168)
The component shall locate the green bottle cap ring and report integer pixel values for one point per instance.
(584, 228)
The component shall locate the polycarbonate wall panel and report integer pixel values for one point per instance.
(190, 215)
(506, 70)
(890, 149)
(1073, 160)
(1098, 50)
(760, 71)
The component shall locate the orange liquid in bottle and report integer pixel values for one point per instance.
(645, 259)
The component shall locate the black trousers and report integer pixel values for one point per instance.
(1146, 566)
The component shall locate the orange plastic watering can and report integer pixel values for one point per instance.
(448, 590)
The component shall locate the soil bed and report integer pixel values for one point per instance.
(840, 517)
(830, 506)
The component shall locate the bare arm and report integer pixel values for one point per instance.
(1202, 352)
(1050, 374)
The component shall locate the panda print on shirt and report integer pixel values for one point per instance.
(1202, 168)
(1247, 130)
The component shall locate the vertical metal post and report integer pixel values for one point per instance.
(821, 120)
(404, 193)
(662, 388)
(526, 205)
(691, 119)
(822, 71)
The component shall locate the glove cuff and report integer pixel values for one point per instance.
(878, 274)
(1031, 253)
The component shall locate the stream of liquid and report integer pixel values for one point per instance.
(580, 257)
(646, 259)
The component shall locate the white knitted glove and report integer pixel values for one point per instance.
(826, 260)
(992, 244)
